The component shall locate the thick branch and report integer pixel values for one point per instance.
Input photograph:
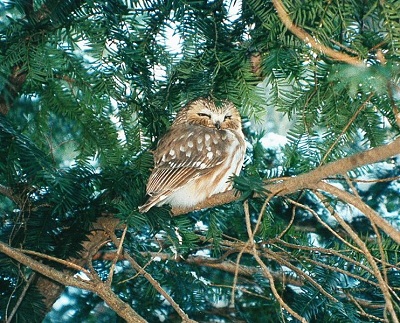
(293, 184)
(41, 268)
(341, 166)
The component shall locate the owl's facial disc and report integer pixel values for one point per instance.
(205, 113)
(216, 118)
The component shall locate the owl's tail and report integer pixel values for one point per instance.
(155, 200)
(145, 207)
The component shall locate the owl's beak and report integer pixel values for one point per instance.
(217, 125)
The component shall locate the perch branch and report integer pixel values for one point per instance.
(293, 184)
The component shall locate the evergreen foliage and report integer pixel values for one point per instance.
(88, 87)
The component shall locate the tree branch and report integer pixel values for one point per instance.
(58, 260)
(364, 208)
(267, 274)
(310, 40)
(96, 286)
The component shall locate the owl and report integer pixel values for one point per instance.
(194, 160)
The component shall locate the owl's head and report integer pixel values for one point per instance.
(204, 112)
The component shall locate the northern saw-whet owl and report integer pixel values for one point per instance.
(194, 160)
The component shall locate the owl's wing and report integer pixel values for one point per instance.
(183, 155)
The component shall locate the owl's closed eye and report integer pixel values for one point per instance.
(204, 147)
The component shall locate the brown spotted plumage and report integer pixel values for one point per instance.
(204, 147)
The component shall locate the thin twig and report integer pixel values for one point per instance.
(328, 252)
(354, 117)
(265, 269)
(261, 214)
(268, 275)
(362, 312)
(243, 290)
(342, 271)
(58, 260)
(246, 245)
(119, 251)
(236, 273)
(364, 208)
(152, 255)
(289, 224)
(273, 255)
(374, 227)
(344, 47)
(326, 226)
(280, 260)
(375, 180)
(20, 298)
